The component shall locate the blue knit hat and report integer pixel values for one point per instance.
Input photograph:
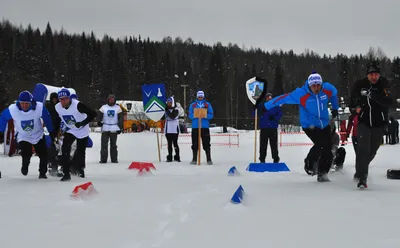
(63, 93)
(25, 96)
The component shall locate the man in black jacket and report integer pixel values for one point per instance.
(372, 95)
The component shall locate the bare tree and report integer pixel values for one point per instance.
(376, 53)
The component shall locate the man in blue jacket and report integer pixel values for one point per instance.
(27, 115)
(269, 120)
(313, 99)
(205, 127)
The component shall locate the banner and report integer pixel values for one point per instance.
(154, 98)
(254, 89)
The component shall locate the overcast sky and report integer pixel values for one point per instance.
(334, 26)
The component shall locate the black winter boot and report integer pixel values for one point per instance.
(194, 160)
(66, 177)
(208, 154)
(177, 158)
(362, 183)
(169, 158)
(322, 178)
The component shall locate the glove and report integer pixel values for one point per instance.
(205, 105)
(334, 113)
(99, 124)
(119, 132)
(1, 138)
(271, 118)
(79, 124)
(365, 92)
(53, 136)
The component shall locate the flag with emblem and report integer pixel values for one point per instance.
(254, 89)
(154, 98)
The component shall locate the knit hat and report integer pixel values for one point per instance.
(268, 94)
(200, 93)
(372, 67)
(63, 93)
(25, 96)
(172, 101)
(111, 96)
(53, 95)
(314, 78)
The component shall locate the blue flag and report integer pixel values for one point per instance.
(154, 98)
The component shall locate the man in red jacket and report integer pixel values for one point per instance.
(352, 124)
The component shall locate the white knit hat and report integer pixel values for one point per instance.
(314, 78)
(200, 93)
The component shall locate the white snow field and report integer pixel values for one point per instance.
(188, 206)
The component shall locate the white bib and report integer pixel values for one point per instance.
(28, 125)
(110, 118)
(71, 116)
(171, 125)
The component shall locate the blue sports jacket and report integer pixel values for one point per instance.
(204, 121)
(269, 118)
(314, 111)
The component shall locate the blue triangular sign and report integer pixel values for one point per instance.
(233, 171)
(238, 195)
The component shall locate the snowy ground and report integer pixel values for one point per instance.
(188, 206)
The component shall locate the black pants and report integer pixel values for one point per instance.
(369, 141)
(393, 138)
(205, 138)
(80, 154)
(270, 134)
(322, 149)
(41, 151)
(172, 139)
(112, 137)
(354, 139)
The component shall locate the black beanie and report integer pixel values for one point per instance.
(372, 67)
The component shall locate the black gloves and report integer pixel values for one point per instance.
(334, 113)
(119, 132)
(99, 124)
(79, 124)
(1, 138)
(53, 136)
